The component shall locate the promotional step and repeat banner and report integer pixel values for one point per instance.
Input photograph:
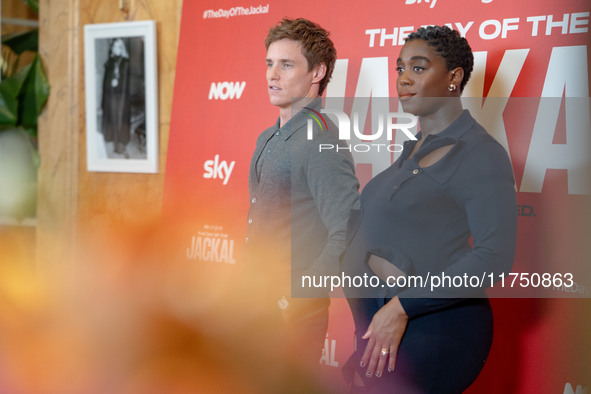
(529, 89)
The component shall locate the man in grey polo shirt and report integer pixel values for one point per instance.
(300, 195)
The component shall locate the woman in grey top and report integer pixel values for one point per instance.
(417, 219)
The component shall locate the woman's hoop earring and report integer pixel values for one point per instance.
(451, 87)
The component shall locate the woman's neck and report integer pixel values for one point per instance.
(438, 121)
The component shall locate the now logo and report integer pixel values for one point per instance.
(226, 90)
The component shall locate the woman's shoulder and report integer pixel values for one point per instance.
(484, 158)
(477, 135)
(479, 142)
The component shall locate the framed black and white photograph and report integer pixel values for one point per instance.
(121, 97)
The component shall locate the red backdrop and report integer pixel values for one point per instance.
(522, 51)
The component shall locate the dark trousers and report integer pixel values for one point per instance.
(441, 352)
(306, 324)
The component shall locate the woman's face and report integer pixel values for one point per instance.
(118, 48)
(422, 76)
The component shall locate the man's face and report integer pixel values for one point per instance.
(287, 73)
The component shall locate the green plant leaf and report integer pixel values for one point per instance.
(33, 95)
(16, 81)
(10, 90)
(8, 107)
(8, 62)
(34, 4)
(23, 41)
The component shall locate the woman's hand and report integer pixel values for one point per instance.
(384, 334)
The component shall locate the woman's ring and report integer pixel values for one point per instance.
(385, 351)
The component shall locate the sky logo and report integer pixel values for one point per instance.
(218, 169)
(424, 1)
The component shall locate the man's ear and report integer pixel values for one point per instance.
(319, 73)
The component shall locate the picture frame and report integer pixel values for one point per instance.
(121, 91)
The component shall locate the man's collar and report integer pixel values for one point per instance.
(298, 120)
(315, 105)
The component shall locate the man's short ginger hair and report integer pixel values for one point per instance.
(317, 47)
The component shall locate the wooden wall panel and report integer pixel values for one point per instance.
(58, 129)
(15, 9)
(73, 201)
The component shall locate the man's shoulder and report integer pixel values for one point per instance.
(319, 131)
(266, 133)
